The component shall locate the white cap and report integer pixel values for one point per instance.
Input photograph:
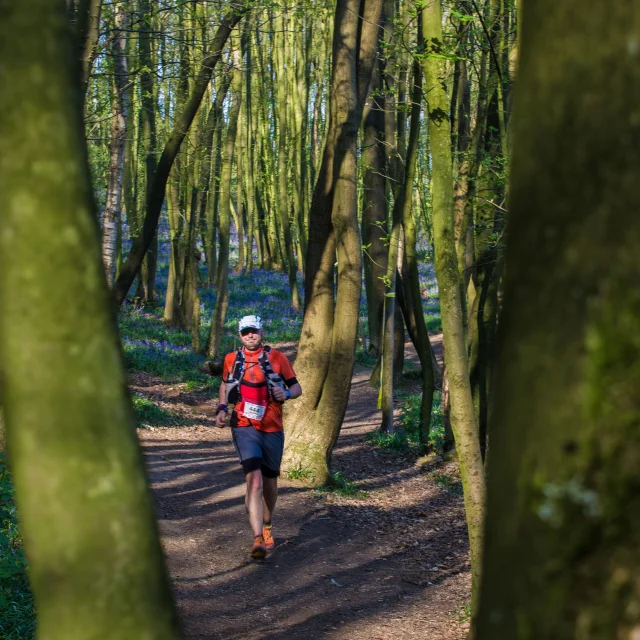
(250, 322)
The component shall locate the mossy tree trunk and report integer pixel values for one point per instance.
(95, 562)
(463, 419)
(327, 348)
(562, 559)
(414, 315)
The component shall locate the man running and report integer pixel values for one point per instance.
(258, 380)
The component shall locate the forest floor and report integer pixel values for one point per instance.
(387, 557)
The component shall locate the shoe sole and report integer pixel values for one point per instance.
(258, 554)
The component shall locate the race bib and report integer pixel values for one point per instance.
(253, 411)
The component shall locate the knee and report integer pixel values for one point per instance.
(254, 482)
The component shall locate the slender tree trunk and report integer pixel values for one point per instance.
(374, 212)
(149, 141)
(463, 419)
(120, 114)
(222, 283)
(283, 199)
(561, 552)
(88, 32)
(86, 513)
(411, 280)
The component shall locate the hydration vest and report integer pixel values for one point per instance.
(234, 379)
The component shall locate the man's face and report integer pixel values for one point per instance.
(251, 338)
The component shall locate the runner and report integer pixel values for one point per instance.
(258, 380)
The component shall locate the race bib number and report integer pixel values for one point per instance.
(253, 411)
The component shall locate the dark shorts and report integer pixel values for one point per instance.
(259, 450)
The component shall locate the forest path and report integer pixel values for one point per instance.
(392, 563)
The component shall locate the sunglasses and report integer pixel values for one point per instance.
(248, 330)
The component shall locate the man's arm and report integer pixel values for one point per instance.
(221, 414)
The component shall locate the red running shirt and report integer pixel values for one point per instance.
(272, 420)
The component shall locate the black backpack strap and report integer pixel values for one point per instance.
(238, 366)
(233, 391)
(265, 364)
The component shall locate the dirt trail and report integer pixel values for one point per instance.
(390, 564)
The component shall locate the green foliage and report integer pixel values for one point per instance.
(450, 482)
(17, 614)
(340, 486)
(150, 414)
(406, 439)
(364, 357)
(299, 474)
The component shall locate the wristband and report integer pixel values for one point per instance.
(287, 392)
(222, 407)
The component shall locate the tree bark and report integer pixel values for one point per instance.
(120, 114)
(86, 513)
(561, 549)
(463, 419)
(328, 339)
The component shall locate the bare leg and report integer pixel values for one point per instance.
(253, 500)
(270, 495)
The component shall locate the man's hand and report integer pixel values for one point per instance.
(221, 419)
(278, 393)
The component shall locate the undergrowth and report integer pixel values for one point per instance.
(406, 439)
(17, 613)
(150, 414)
(340, 486)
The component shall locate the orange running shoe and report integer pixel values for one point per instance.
(259, 550)
(267, 533)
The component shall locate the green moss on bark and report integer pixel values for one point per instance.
(95, 563)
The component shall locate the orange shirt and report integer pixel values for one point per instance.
(272, 420)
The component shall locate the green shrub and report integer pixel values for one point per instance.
(406, 438)
(340, 486)
(150, 414)
(299, 474)
(449, 482)
(17, 613)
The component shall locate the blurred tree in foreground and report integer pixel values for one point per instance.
(95, 561)
(562, 558)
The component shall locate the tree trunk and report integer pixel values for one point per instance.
(120, 114)
(374, 211)
(180, 129)
(283, 199)
(326, 354)
(149, 141)
(463, 419)
(86, 513)
(222, 283)
(411, 279)
(561, 552)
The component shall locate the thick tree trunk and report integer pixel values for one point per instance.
(180, 129)
(328, 339)
(561, 554)
(86, 514)
(463, 419)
